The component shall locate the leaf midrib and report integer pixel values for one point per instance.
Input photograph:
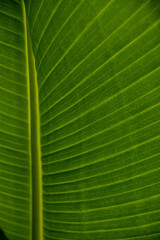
(34, 136)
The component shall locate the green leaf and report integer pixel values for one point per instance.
(80, 125)
(15, 157)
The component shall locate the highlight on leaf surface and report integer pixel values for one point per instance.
(80, 119)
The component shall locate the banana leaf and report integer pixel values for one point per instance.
(80, 119)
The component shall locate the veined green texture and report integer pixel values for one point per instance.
(96, 102)
(33, 228)
(15, 149)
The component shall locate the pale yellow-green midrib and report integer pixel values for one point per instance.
(34, 136)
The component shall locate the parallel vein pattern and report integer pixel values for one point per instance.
(15, 204)
(98, 66)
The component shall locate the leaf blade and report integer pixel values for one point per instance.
(15, 179)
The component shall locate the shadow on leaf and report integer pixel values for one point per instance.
(2, 235)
